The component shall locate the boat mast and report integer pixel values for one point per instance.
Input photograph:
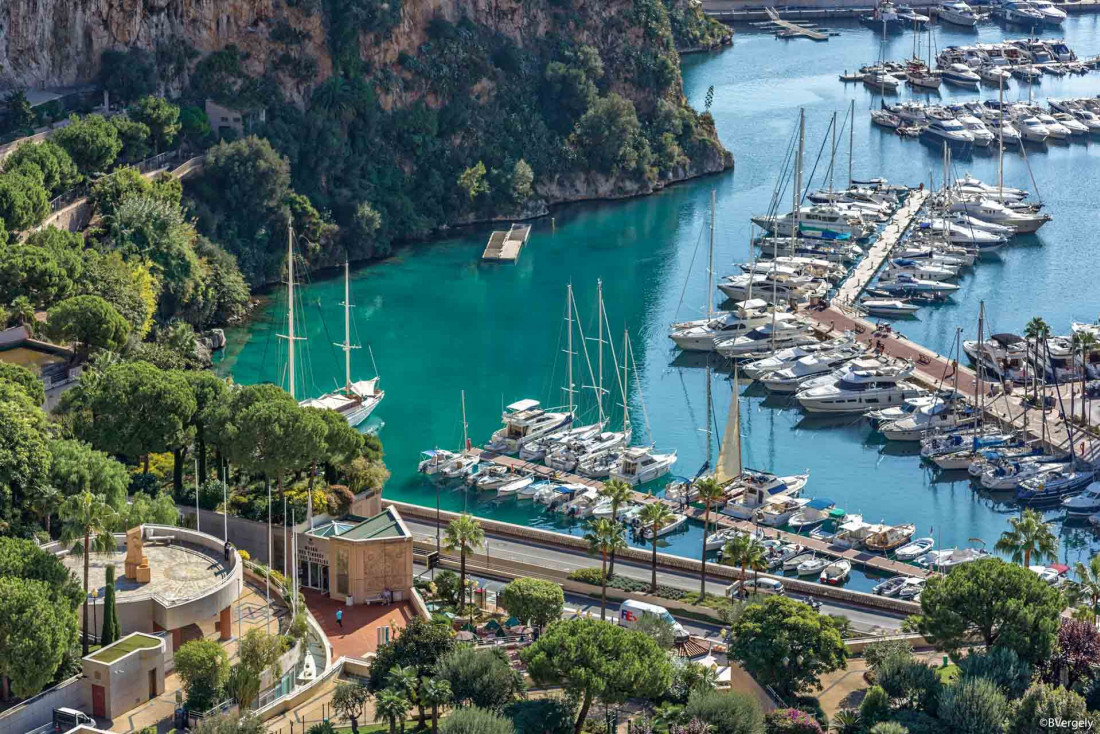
(290, 338)
(981, 353)
(347, 328)
(710, 260)
(626, 410)
(465, 426)
(798, 182)
(832, 154)
(599, 347)
(851, 138)
(569, 344)
(1001, 144)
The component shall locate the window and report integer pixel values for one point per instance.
(341, 572)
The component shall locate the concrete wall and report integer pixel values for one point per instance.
(34, 712)
(73, 218)
(126, 680)
(373, 566)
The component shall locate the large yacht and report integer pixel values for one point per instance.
(701, 335)
(1023, 221)
(860, 389)
(788, 331)
(950, 131)
(525, 421)
(821, 221)
(958, 13)
(789, 379)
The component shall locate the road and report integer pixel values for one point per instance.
(561, 559)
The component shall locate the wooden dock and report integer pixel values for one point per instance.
(868, 561)
(794, 29)
(880, 249)
(505, 245)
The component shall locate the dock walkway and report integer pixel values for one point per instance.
(869, 561)
(880, 249)
(795, 29)
(505, 245)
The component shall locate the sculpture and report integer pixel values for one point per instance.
(137, 565)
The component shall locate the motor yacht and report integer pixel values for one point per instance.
(539, 448)
(888, 307)
(513, 487)
(567, 455)
(1071, 123)
(1051, 14)
(1085, 504)
(1024, 222)
(434, 460)
(952, 132)
(1032, 130)
(860, 389)
(882, 416)
(786, 332)
(701, 335)
(490, 478)
(941, 416)
(1053, 575)
(555, 496)
(779, 509)
(960, 75)
(784, 358)
(582, 503)
(961, 234)
(919, 269)
(1001, 476)
(880, 79)
(460, 466)
(911, 589)
(890, 538)
(639, 465)
(983, 138)
(821, 221)
(950, 558)
(1088, 119)
(525, 421)
(958, 13)
(1005, 130)
(758, 489)
(995, 75)
(1022, 12)
(775, 288)
(789, 379)
(906, 284)
(814, 513)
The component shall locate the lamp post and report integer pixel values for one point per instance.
(95, 613)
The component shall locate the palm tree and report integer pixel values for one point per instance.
(1029, 536)
(465, 535)
(1088, 578)
(21, 312)
(604, 537)
(846, 721)
(654, 516)
(405, 681)
(391, 706)
(435, 692)
(86, 522)
(44, 503)
(619, 493)
(1036, 330)
(1085, 344)
(710, 491)
(745, 552)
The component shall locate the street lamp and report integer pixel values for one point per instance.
(95, 613)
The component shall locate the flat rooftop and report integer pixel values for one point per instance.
(178, 572)
(125, 646)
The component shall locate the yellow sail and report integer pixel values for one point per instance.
(729, 457)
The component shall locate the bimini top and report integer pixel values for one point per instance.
(521, 405)
(821, 503)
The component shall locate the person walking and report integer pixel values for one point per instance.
(340, 618)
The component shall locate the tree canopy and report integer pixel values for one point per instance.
(533, 601)
(89, 321)
(91, 141)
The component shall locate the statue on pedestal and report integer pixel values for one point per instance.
(137, 565)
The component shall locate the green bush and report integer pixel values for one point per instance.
(910, 683)
(877, 652)
(542, 716)
(875, 706)
(791, 721)
(1042, 703)
(889, 727)
(973, 706)
(473, 720)
(1001, 666)
(917, 722)
(726, 713)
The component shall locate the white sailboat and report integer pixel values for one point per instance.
(356, 400)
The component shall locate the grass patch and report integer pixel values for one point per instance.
(126, 646)
(378, 728)
(948, 673)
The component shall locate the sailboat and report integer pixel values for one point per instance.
(355, 400)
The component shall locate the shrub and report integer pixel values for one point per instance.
(446, 587)
(889, 727)
(483, 678)
(791, 721)
(587, 576)
(911, 683)
(542, 716)
(877, 652)
(1001, 666)
(917, 722)
(875, 706)
(726, 713)
(973, 706)
(475, 721)
(1042, 703)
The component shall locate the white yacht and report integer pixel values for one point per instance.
(433, 461)
(701, 335)
(525, 421)
(789, 379)
(1005, 130)
(1071, 123)
(639, 465)
(960, 75)
(861, 389)
(1032, 130)
(1022, 12)
(888, 307)
(539, 448)
(778, 510)
(939, 416)
(1024, 222)
(760, 488)
(915, 549)
(958, 13)
(1051, 14)
(675, 523)
(950, 131)
(947, 559)
(822, 221)
(880, 79)
(1085, 504)
(815, 512)
(1003, 476)
(908, 284)
(566, 456)
(1055, 129)
(995, 74)
(786, 332)
(982, 136)
(776, 288)
(919, 269)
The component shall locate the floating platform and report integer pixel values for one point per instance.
(505, 245)
(791, 30)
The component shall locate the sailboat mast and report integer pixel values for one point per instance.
(798, 179)
(1001, 145)
(981, 353)
(569, 344)
(290, 302)
(708, 413)
(737, 417)
(710, 260)
(599, 348)
(347, 328)
(832, 153)
(851, 138)
(465, 427)
(626, 354)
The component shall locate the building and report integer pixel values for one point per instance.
(223, 119)
(125, 674)
(358, 560)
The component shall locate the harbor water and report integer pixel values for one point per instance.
(438, 322)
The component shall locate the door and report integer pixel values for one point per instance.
(153, 683)
(99, 701)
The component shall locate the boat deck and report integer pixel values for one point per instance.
(868, 561)
(505, 245)
(880, 249)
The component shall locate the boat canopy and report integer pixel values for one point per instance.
(1007, 340)
(821, 503)
(521, 405)
(837, 513)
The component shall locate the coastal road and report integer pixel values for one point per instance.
(561, 559)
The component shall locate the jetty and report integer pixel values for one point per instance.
(880, 249)
(791, 30)
(505, 245)
(868, 561)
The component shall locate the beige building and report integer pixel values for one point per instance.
(125, 674)
(358, 559)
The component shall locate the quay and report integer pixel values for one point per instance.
(744, 11)
(869, 561)
(505, 245)
(880, 249)
(793, 29)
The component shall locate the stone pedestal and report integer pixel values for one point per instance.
(137, 565)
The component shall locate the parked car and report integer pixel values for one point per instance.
(756, 586)
(65, 719)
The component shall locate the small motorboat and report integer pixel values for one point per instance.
(882, 118)
(811, 566)
(914, 549)
(675, 523)
(794, 562)
(1053, 575)
(460, 466)
(888, 307)
(911, 589)
(836, 572)
(493, 478)
(433, 461)
(891, 586)
(514, 486)
(718, 540)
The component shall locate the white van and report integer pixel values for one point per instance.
(631, 612)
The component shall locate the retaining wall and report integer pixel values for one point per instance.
(34, 712)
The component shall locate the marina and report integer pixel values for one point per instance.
(496, 330)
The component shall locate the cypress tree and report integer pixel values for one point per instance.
(111, 631)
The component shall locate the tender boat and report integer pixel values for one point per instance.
(432, 461)
(792, 563)
(836, 572)
(914, 549)
(513, 487)
(811, 566)
(891, 586)
(460, 466)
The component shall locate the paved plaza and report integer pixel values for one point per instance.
(178, 572)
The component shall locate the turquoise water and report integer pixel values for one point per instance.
(440, 323)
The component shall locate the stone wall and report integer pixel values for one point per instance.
(37, 711)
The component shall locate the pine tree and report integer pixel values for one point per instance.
(111, 629)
